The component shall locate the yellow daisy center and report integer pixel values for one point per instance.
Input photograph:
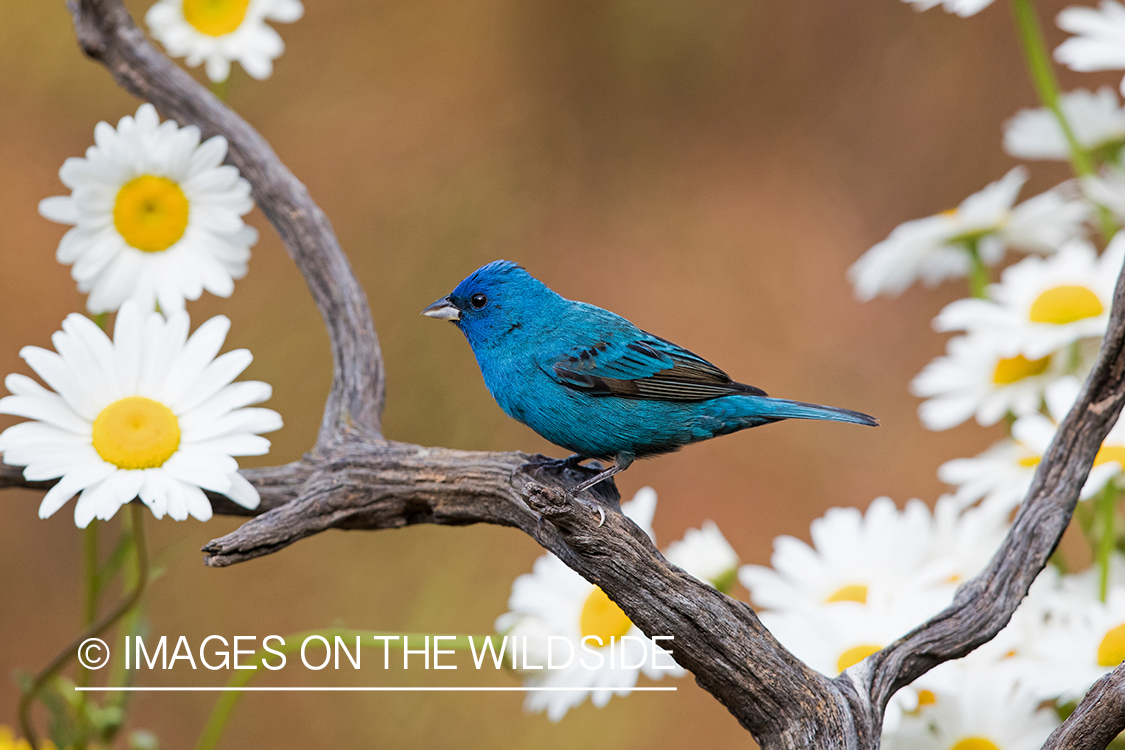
(1028, 461)
(1013, 369)
(855, 655)
(1109, 453)
(215, 17)
(151, 213)
(855, 592)
(602, 618)
(136, 433)
(1111, 651)
(925, 698)
(1065, 304)
(975, 743)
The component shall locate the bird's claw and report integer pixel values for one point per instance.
(541, 462)
(594, 505)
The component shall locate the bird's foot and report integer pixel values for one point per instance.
(540, 463)
(620, 463)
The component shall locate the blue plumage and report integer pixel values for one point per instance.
(595, 384)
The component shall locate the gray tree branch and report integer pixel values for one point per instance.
(356, 479)
(1098, 719)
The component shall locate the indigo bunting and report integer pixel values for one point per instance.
(595, 384)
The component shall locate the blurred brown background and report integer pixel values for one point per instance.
(708, 169)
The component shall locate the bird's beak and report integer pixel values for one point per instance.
(443, 309)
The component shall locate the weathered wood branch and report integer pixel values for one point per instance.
(1097, 720)
(720, 640)
(355, 479)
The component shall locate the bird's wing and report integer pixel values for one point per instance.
(642, 367)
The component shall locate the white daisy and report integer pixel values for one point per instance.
(974, 379)
(875, 557)
(1007, 657)
(553, 605)
(1036, 431)
(152, 414)
(221, 31)
(987, 712)
(1096, 119)
(1043, 304)
(706, 554)
(878, 559)
(156, 216)
(1045, 222)
(999, 477)
(1076, 649)
(1004, 662)
(963, 8)
(1086, 586)
(1107, 189)
(936, 248)
(902, 567)
(1099, 43)
(832, 638)
(963, 541)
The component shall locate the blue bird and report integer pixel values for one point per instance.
(595, 384)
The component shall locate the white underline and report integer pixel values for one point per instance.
(225, 689)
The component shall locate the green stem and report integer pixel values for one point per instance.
(90, 550)
(90, 540)
(1043, 76)
(1106, 509)
(1047, 87)
(221, 89)
(129, 625)
(93, 631)
(217, 722)
(1058, 560)
(978, 272)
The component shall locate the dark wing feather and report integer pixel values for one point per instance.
(644, 368)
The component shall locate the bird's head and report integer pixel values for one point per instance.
(498, 304)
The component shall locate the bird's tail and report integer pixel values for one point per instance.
(780, 408)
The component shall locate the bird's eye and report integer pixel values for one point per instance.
(478, 301)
